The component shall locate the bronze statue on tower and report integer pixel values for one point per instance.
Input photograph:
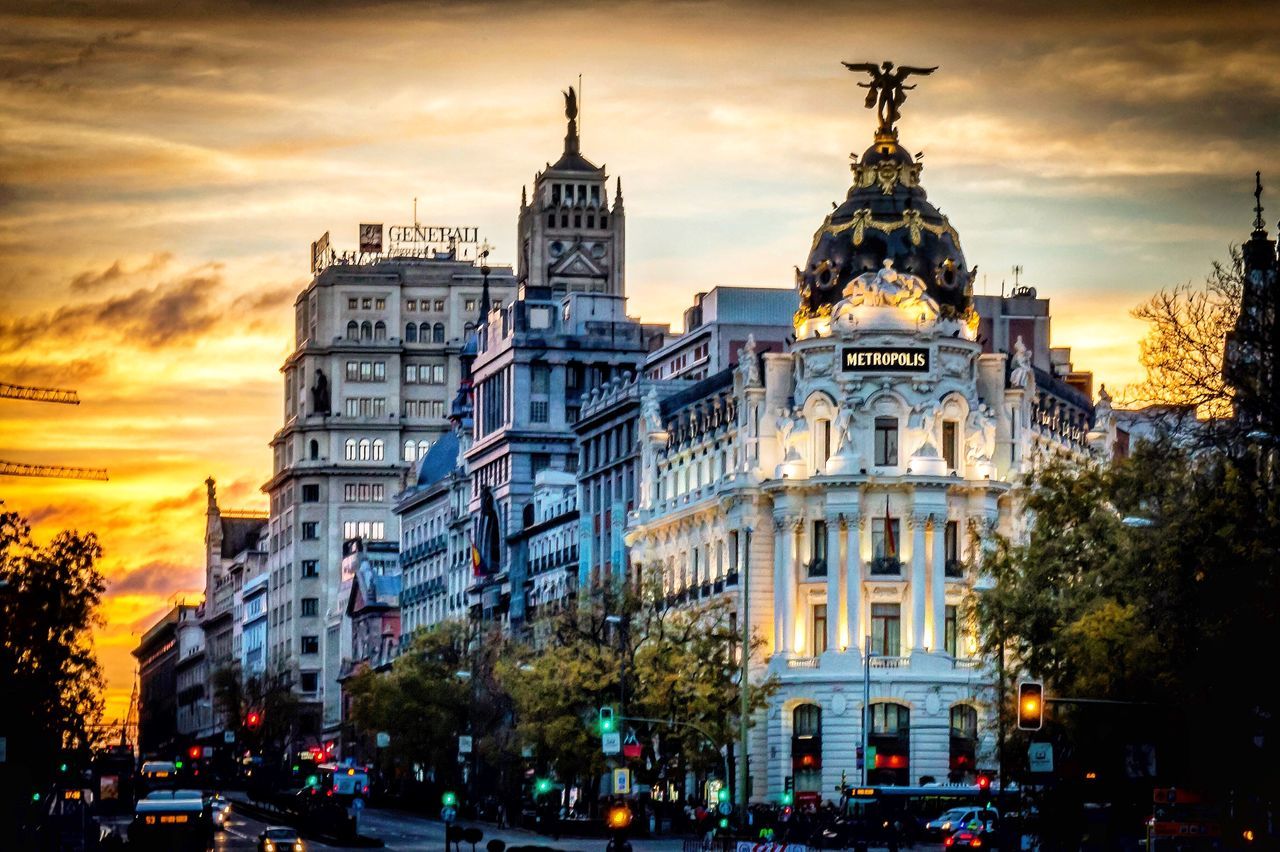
(887, 89)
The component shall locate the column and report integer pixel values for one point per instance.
(938, 581)
(781, 531)
(833, 583)
(853, 578)
(917, 580)
(791, 535)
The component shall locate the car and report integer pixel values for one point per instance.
(970, 839)
(947, 822)
(219, 811)
(280, 838)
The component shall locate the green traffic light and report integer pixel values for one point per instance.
(449, 799)
(177, 764)
(722, 795)
(313, 780)
(542, 785)
(62, 767)
(724, 822)
(787, 798)
(35, 797)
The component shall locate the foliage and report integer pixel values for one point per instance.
(422, 702)
(270, 697)
(1165, 613)
(49, 598)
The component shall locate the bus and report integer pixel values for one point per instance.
(171, 820)
(912, 808)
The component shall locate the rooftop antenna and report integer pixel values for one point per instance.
(1017, 274)
(1258, 224)
(579, 106)
(415, 211)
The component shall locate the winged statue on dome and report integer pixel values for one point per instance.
(887, 89)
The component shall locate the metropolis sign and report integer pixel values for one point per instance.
(891, 359)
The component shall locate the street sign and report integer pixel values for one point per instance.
(611, 743)
(464, 744)
(1040, 757)
(382, 739)
(725, 808)
(621, 782)
(228, 736)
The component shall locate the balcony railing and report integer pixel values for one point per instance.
(966, 663)
(885, 566)
(890, 662)
(802, 663)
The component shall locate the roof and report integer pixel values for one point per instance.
(701, 390)
(573, 163)
(240, 534)
(440, 460)
(1061, 389)
(374, 591)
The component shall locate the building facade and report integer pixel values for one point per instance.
(157, 656)
(367, 387)
(834, 489)
(718, 324)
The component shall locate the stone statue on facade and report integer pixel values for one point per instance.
(651, 412)
(748, 363)
(1103, 414)
(980, 435)
(1021, 374)
(785, 425)
(887, 89)
(320, 402)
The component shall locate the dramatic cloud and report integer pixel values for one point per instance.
(157, 578)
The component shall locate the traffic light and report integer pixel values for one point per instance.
(607, 723)
(984, 781)
(253, 720)
(194, 752)
(1030, 705)
(722, 795)
(449, 799)
(542, 786)
(618, 818)
(313, 780)
(788, 798)
(724, 822)
(178, 764)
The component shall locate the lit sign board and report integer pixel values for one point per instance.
(892, 359)
(438, 235)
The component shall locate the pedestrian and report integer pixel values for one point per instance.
(502, 815)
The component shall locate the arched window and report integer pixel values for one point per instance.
(350, 449)
(409, 447)
(964, 742)
(806, 747)
(437, 333)
(366, 330)
(469, 327)
(890, 735)
(379, 450)
(410, 333)
(423, 446)
(315, 449)
(364, 449)
(353, 330)
(424, 332)
(379, 330)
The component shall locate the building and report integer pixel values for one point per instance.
(832, 488)
(157, 656)
(718, 324)
(1250, 351)
(549, 547)
(366, 389)
(191, 678)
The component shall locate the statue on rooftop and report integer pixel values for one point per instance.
(887, 89)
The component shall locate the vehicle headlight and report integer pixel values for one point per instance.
(946, 826)
(269, 846)
(298, 847)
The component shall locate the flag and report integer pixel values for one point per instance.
(484, 537)
(475, 559)
(890, 546)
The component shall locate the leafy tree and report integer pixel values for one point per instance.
(1166, 613)
(276, 705)
(49, 598)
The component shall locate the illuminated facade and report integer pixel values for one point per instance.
(836, 488)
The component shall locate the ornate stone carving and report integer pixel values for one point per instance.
(885, 287)
(1021, 374)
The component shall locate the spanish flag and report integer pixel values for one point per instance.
(476, 569)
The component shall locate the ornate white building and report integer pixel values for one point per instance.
(835, 489)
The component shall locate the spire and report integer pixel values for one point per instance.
(617, 197)
(1259, 226)
(571, 113)
(524, 197)
(211, 489)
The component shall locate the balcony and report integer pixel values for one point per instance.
(890, 662)
(802, 663)
(885, 566)
(966, 663)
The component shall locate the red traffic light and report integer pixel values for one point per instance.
(253, 719)
(195, 752)
(984, 782)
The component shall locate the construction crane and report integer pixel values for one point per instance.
(66, 397)
(56, 471)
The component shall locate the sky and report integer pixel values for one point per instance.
(164, 167)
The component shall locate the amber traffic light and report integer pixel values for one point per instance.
(1030, 705)
(619, 817)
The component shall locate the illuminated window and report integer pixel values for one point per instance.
(409, 448)
(349, 448)
(378, 449)
(886, 441)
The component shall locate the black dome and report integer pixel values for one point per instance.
(885, 215)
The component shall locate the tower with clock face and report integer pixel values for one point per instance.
(571, 236)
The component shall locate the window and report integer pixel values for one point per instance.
(366, 330)
(469, 305)
(964, 721)
(363, 492)
(886, 625)
(379, 330)
(315, 449)
(886, 441)
(424, 332)
(311, 493)
(310, 606)
(349, 449)
(949, 631)
(309, 681)
(410, 333)
(890, 719)
(423, 446)
(310, 530)
(378, 449)
(353, 330)
(310, 568)
(950, 448)
(538, 410)
(884, 546)
(822, 445)
(352, 304)
(380, 304)
(409, 448)
(412, 305)
(951, 547)
(437, 333)
(366, 303)
(818, 565)
(819, 622)
(439, 304)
